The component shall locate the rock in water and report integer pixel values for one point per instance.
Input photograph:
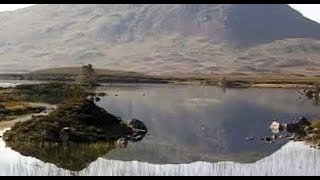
(97, 99)
(139, 130)
(136, 124)
(276, 127)
(309, 94)
(268, 140)
(250, 138)
(122, 142)
(302, 121)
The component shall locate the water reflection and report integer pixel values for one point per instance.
(194, 123)
(73, 157)
(194, 131)
(294, 159)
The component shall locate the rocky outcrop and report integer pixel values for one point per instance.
(299, 130)
(78, 121)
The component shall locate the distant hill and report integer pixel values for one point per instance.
(77, 71)
(161, 38)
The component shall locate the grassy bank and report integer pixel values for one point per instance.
(261, 80)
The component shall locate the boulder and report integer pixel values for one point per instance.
(122, 142)
(309, 94)
(276, 127)
(138, 130)
(292, 128)
(136, 124)
(268, 140)
(299, 127)
(97, 99)
(302, 121)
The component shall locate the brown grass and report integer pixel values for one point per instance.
(77, 71)
(263, 78)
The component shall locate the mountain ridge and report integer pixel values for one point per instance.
(160, 39)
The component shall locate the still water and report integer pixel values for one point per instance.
(13, 83)
(194, 130)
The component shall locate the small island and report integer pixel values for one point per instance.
(76, 122)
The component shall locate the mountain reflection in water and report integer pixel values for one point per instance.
(72, 157)
(194, 130)
(292, 159)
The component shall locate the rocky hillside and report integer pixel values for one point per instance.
(160, 39)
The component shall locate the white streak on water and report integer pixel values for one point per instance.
(6, 85)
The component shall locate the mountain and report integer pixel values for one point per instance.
(161, 38)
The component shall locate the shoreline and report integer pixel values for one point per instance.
(282, 85)
(10, 123)
(229, 79)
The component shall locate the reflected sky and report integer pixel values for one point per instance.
(187, 124)
(203, 122)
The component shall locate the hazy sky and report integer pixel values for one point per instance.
(311, 11)
(10, 7)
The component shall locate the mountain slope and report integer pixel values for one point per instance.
(158, 39)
